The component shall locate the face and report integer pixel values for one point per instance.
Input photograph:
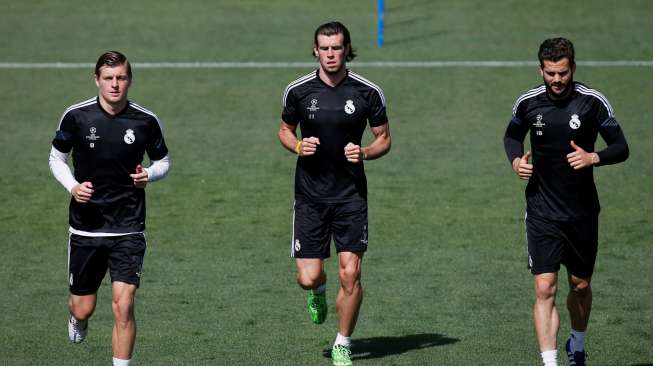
(331, 52)
(557, 75)
(113, 84)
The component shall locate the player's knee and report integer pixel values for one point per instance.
(581, 288)
(307, 282)
(82, 312)
(349, 276)
(123, 309)
(545, 290)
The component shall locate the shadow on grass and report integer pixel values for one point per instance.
(379, 347)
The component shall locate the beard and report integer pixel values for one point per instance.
(564, 93)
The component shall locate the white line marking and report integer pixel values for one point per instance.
(287, 65)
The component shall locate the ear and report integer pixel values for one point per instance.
(541, 71)
(97, 81)
(315, 52)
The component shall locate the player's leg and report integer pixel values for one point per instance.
(350, 236)
(81, 308)
(350, 294)
(579, 304)
(310, 246)
(545, 245)
(579, 301)
(124, 327)
(545, 314)
(86, 268)
(579, 259)
(348, 303)
(311, 277)
(125, 266)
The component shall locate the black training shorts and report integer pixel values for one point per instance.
(315, 223)
(572, 243)
(89, 257)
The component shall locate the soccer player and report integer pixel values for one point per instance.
(564, 118)
(332, 106)
(108, 136)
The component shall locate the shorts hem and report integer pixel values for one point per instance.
(82, 292)
(542, 270)
(311, 256)
(127, 281)
(352, 250)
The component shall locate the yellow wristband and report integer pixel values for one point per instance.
(298, 147)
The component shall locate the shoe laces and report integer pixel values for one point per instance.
(342, 350)
(315, 301)
(78, 325)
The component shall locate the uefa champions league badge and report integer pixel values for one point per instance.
(574, 122)
(349, 107)
(129, 137)
(92, 137)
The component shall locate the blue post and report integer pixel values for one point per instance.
(380, 26)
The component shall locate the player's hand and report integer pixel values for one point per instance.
(354, 153)
(521, 166)
(579, 158)
(308, 146)
(82, 192)
(140, 178)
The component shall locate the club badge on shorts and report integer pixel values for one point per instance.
(129, 137)
(349, 107)
(574, 122)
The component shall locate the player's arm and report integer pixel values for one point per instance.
(302, 147)
(62, 145)
(617, 149)
(379, 146)
(615, 152)
(157, 151)
(82, 192)
(513, 143)
(156, 171)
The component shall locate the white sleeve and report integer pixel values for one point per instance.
(61, 170)
(158, 169)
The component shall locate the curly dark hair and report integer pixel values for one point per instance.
(555, 49)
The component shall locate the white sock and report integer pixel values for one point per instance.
(550, 358)
(320, 289)
(342, 340)
(577, 341)
(120, 362)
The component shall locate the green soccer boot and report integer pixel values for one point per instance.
(317, 306)
(341, 355)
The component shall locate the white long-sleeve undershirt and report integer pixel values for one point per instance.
(158, 169)
(60, 169)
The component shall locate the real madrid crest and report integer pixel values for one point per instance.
(349, 107)
(574, 122)
(129, 137)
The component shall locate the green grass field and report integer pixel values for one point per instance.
(445, 275)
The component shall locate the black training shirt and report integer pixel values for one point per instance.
(555, 190)
(336, 116)
(106, 149)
